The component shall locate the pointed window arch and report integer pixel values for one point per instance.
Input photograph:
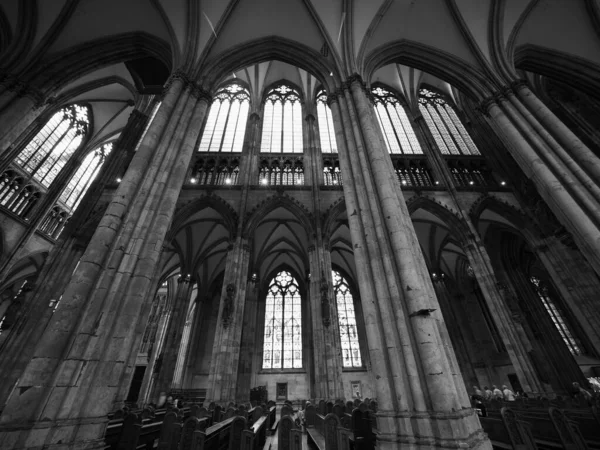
(283, 324)
(282, 121)
(448, 131)
(398, 132)
(347, 322)
(84, 176)
(326, 131)
(52, 147)
(226, 123)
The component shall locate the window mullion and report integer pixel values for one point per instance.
(225, 125)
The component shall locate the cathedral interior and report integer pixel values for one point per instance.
(305, 200)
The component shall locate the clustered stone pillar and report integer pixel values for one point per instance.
(569, 190)
(224, 366)
(19, 107)
(85, 353)
(170, 348)
(511, 330)
(325, 328)
(16, 348)
(422, 400)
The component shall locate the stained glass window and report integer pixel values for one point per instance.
(448, 131)
(326, 132)
(82, 179)
(557, 316)
(226, 123)
(282, 121)
(50, 149)
(347, 321)
(398, 133)
(283, 324)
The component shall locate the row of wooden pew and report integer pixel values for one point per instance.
(194, 427)
(534, 424)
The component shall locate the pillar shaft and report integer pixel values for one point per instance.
(16, 117)
(421, 399)
(174, 333)
(78, 366)
(224, 366)
(562, 203)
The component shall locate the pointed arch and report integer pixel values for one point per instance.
(71, 64)
(208, 201)
(331, 217)
(272, 203)
(266, 49)
(443, 65)
(450, 218)
(499, 207)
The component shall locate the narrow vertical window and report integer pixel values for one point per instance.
(557, 316)
(282, 121)
(398, 133)
(347, 322)
(448, 131)
(283, 324)
(85, 175)
(48, 152)
(226, 123)
(326, 131)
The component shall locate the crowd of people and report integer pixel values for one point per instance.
(508, 395)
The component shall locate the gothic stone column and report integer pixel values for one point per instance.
(224, 366)
(16, 349)
(173, 336)
(422, 401)
(72, 381)
(325, 329)
(557, 193)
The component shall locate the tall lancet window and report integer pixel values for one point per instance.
(53, 146)
(283, 324)
(226, 123)
(347, 321)
(398, 133)
(326, 132)
(85, 175)
(282, 121)
(448, 131)
(557, 315)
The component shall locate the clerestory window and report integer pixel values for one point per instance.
(226, 123)
(282, 121)
(52, 147)
(326, 131)
(84, 176)
(397, 130)
(448, 131)
(283, 324)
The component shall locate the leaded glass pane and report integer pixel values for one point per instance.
(397, 130)
(557, 316)
(448, 131)
(283, 324)
(282, 122)
(226, 123)
(52, 147)
(83, 177)
(326, 131)
(347, 322)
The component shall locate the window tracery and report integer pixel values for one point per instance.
(557, 316)
(283, 324)
(275, 172)
(51, 148)
(398, 133)
(226, 124)
(447, 129)
(282, 121)
(347, 322)
(326, 131)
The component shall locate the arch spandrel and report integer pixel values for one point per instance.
(255, 216)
